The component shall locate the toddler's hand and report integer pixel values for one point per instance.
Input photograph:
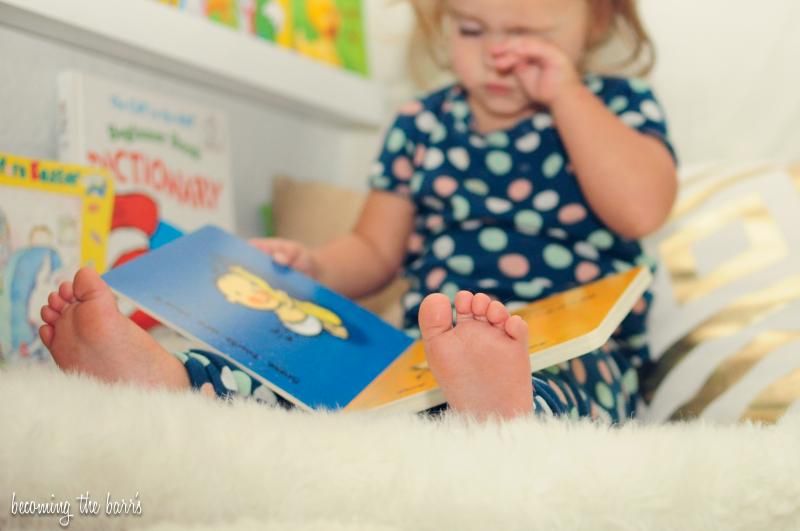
(545, 71)
(289, 253)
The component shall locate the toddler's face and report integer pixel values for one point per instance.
(480, 29)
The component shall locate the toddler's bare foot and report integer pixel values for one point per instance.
(482, 363)
(85, 332)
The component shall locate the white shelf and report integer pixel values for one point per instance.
(159, 37)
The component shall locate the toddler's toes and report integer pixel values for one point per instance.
(66, 292)
(49, 315)
(480, 304)
(46, 333)
(55, 302)
(517, 328)
(435, 316)
(497, 314)
(463, 304)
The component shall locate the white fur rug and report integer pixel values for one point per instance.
(204, 464)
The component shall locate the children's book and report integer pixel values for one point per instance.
(54, 218)
(170, 160)
(318, 349)
(331, 31)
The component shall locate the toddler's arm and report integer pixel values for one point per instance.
(361, 262)
(628, 177)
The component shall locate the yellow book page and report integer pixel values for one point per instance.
(552, 321)
(93, 186)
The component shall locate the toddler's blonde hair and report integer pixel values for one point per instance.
(619, 20)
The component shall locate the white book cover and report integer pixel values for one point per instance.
(170, 159)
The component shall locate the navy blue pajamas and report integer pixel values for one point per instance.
(504, 214)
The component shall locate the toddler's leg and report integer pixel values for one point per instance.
(482, 362)
(85, 332)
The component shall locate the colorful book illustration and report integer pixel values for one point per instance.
(170, 160)
(54, 218)
(331, 31)
(272, 21)
(315, 348)
(320, 350)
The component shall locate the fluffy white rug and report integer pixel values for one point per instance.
(204, 464)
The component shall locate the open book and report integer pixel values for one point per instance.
(318, 349)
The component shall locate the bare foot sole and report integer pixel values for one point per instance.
(482, 362)
(85, 332)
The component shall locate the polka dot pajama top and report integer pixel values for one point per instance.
(503, 213)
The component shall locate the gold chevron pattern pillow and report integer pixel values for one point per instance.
(725, 322)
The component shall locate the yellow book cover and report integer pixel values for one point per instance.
(54, 218)
(562, 326)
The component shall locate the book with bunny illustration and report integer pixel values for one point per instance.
(54, 218)
(320, 350)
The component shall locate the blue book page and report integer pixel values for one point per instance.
(311, 345)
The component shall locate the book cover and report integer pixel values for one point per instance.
(170, 160)
(331, 31)
(54, 218)
(273, 21)
(561, 327)
(310, 345)
(317, 348)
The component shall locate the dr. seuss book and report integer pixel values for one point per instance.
(170, 159)
(54, 218)
(317, 349)
(331, 31)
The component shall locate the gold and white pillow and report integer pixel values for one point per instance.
(725, 322)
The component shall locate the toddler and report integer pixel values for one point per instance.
(527, 176)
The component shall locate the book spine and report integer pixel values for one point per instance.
(71, 138)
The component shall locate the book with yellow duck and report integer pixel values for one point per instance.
(320, 350)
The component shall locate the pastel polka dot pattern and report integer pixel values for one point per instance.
(651, 110)
(514, 265)
(604, 395)
(496, 205)
(445, 186)
(498, 162)
(601, 239)
(402, 168)
(557, 256)
(497, 139)
(443, 247)
(433, 159)
(586, 271)
(529, 142)
(459, 158)
(463, 265)
(546, 200)
(528, 222)
(586, 250)
(542, 121)
(571, 214)
(618, 104)
(552, 165)
(435, 278)
(520, 190)
(633, 119)
(493, 240)
(244, 384)
(411, 108)
(605, 372)
(503, 212)
(395, 140)
(461, 208)
(426, 121)
(476, 186)
(439, 133)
